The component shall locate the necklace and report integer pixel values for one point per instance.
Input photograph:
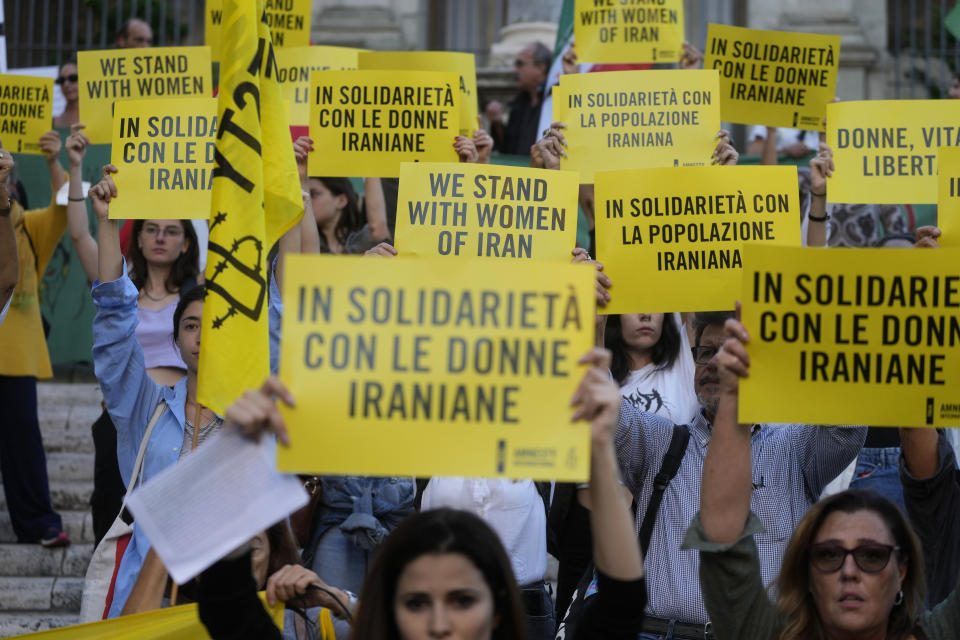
(160, 299)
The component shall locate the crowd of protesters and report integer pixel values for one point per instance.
(691, 526)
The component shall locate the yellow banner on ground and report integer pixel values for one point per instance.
(294, 65)
(862, 336)
(26, 103)
(672, 121)
(255, 199)
(430, 367)
(463, 64)
(164, 150)
(623, 31)
(365, 123)
(289, 22)
(484, 210)
(120, 74)
(173, 623)
(672, 239)
(885, 151)
(948, 201)
(775, 78)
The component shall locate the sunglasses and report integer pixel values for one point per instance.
(70, 78)
(703, 355)
(872, 557)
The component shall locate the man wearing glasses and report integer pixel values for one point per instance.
(520, 131)
(791, 466)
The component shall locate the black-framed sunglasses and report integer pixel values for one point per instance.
(703, 355)
(872, 557)
(73, 77)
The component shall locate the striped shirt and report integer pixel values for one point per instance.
(791, 465)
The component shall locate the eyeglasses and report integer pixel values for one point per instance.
(871, 557)
(168, 232)
(703, 355)
(74, 78)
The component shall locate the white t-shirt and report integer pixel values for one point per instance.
(513, 509)
(669, 391)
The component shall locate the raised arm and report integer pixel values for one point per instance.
(724, 153)
(78, 224)
(376, 205)
(50, 144)
(615, 549)
(110, 257)
(726, 487)
(821, 167)
(768, 149)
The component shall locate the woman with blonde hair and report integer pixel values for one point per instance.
(853, 569)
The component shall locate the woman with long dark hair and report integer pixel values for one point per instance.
(162, 262)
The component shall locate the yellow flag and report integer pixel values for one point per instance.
(174, 623)
(256, 198)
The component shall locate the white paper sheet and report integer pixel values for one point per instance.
(214, 500)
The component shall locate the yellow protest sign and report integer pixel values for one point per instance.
(365, 123)
(294, 65)
(164, 150)
(861, 336)
(120, 74)
(463, 64)
(173, 623)
(625, 31)
(775, 78)
(885, 151)
(948, 200)
(25, 112)
(435, 367)
(671, 121)
(289, 22)
(483, 210)
(683, 229)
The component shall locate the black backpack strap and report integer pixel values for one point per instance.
(668, 469)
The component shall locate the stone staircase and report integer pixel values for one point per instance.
(40, 588)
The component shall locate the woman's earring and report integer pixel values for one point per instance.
(898, 600)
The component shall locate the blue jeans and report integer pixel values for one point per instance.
(879, 470)
(541, 627)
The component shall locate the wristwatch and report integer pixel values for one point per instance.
(5, 211)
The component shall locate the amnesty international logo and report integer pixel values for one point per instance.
(239, 269)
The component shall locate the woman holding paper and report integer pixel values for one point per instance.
(163, 262)
(131, 395)
(445, 573)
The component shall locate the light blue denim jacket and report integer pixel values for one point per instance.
(131, 397)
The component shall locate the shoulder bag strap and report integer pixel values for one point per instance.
(138, 465)
(668, 469)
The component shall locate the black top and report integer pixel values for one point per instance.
(521, 131)
(228, 603)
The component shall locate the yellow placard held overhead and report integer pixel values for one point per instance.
(861, 336)
(638, 119)
(294, 65)
(430, 367)
(172, 623)
(289, 22)
(164, 150)
(672, 239)
(624, 31)
(26, 103)
(484, 210)
(885, 151)
(774, 78)
(122, 74)
(365, 123)
(948, 202)
(463, 64)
